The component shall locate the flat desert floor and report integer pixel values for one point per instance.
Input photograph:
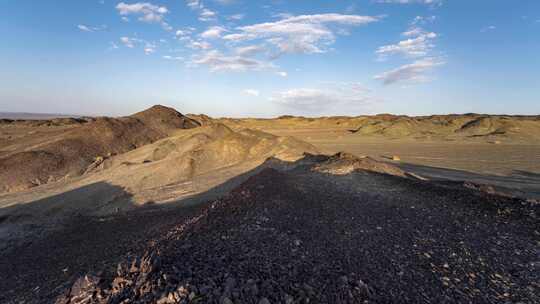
(507, 165)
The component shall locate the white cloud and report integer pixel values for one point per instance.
(414, 47)
(428, 2)
(149, 47)
(113, 46)
(488, 28)
(207, 15)
(250, 50)
(236, 17)
(86, 28)
(294, 34)
(167, 57)
(213, 32)
(299, 34)
(423, 20)
(410, 73)
(420, 46)
(194, 4)
(419, 43)
(217, 62)
(251, 92)
(147, 12)
(128, 42)
(225, 2)
(184, 34)
(199, 45)
(328, 97)
(149, 50)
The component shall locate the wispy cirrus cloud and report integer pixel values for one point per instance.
(415, 72)
(87, 28)
(418, 45)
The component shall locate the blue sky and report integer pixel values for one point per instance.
(271, 57)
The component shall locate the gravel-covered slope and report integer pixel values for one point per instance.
(301, 236)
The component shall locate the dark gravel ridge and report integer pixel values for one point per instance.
(305, 237)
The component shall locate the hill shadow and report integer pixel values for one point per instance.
(54, 240)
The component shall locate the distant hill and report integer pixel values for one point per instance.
(33, 116)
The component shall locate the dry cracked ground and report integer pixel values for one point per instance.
(276, 226)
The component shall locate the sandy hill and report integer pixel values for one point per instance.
(69, 153)
(184, 164)
(201, 157)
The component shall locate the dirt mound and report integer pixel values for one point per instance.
(345, 163)
(304, 237)
(71, 153)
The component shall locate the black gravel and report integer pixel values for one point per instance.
(305, 237)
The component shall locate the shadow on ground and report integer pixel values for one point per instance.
(51, 241)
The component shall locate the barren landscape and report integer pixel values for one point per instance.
(269, 152)
(160, 207)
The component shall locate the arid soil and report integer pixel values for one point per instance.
(297, 236)
(159, 207)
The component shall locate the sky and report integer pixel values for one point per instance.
(240, 58)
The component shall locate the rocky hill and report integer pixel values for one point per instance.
(70, 153)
